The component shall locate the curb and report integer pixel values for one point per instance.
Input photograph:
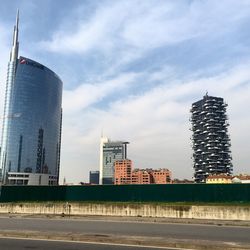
(135, 240)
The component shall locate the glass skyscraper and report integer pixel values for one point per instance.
(110, 152)
(31, 133)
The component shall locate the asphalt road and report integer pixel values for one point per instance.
(24, 244)
(124, 228)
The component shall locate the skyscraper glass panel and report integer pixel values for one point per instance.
(31, 133)
(111, 151)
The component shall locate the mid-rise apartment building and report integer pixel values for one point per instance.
(161, 176)
(125, 175)
(123, 172)
(141, 176)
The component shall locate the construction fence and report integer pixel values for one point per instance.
(213, 193)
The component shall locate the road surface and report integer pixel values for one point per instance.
(24, 244)
(127, 232)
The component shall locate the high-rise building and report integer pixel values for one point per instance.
(211, 143)
(94, 177)
(110, 152)
(31, 132)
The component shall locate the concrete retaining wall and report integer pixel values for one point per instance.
(138, 210)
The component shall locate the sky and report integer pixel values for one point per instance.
(131, 70)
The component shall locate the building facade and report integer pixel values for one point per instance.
(123, 172)
(242, 178)
(110, 152)
(141, 176)
(152, 176)
(211, 142)
(31, 135)
(161, 176)
(94, 177)
(219, 179)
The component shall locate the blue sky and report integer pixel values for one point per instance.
(132, 68)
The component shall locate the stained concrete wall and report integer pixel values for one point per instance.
(139, 210)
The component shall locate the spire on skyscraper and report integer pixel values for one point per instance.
(17, 18)
(31, 144)
(15, 45)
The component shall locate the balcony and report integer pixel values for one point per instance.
(214, 155)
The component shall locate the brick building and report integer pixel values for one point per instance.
(141, 176)
(161, 176)
(123, 172)
(125, 175)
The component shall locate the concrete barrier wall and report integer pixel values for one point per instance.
(137, 210)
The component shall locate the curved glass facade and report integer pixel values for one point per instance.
(34, 120)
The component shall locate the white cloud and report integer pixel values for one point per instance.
(145, 25)
(95, 33)
(87, 94)
(156, 123)
(155, 118)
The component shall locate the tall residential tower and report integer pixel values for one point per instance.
(31, 132)
(211, 142)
